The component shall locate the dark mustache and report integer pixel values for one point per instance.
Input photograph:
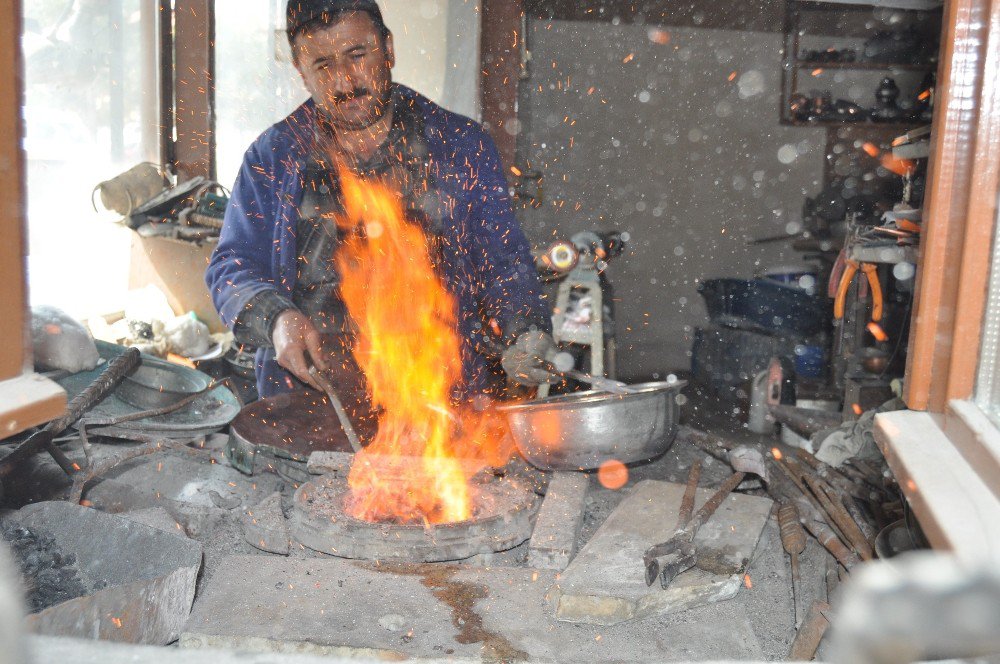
(340, 98)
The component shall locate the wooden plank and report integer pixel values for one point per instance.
(981, 219)
(946, 206)
(13, 295)
(955, 507)
(27, 401)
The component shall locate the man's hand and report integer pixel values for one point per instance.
(525, 362)
(296, 341)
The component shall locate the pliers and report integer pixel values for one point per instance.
(850, 270)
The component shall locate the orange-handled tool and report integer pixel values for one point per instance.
(871, 272)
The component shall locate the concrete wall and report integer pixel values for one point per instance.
(671, 134)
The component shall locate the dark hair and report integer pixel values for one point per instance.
(305, 17)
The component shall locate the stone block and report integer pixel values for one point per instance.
(557, 527)
(605, 584)
(156, 517)
(264, 526)
(142, 580)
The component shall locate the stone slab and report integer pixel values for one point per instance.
(329, 463)
(346, 608)
(605, 584)
(145, 577)
(156, 517)
(264, 526)
(557, 526)
(164, 480)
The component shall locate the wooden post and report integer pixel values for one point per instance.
(501, 69)
(947, 207)
(194, 81)
(26, 399)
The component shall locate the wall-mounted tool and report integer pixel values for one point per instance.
(850, 270)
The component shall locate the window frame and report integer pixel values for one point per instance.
(945, 451)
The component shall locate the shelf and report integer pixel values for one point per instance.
(888, 255)
(867, 124)
(909, 5)
(918, 150)
(864, 66)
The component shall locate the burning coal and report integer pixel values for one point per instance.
(417, 468)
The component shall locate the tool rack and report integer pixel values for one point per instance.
(859, 387)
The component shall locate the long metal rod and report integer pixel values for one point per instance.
(95, 393)
(338, 407)
(687, 502)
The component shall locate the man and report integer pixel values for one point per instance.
(272, 276)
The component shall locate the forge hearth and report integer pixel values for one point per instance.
(504, 515)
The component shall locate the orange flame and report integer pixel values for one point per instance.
(418, 466)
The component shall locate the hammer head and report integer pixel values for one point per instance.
(748, 460)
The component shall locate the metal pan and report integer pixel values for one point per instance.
(581, 431)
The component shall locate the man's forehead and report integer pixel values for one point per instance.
(343, 33)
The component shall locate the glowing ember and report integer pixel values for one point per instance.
(409, 349)
(613, 474)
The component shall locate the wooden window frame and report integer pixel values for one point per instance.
(945, 451)
(26, 399)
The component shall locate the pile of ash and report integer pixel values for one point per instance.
(49, 575)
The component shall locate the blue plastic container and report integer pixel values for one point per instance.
(764, 305)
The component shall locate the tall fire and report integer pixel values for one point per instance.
(418, 467)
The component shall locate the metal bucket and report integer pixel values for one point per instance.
(580, 431)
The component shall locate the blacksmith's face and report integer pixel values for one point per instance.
(347, 68)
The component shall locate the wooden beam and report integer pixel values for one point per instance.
(710, 15)
(194, 81)
(13, 294)
(501, 69)
(980, 224)
(946, 206)
(26, 399)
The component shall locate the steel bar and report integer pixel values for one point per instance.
(687, 502)
(810, 634)
(345, 422)
(793, 539)
(840, 516)
(95, 393)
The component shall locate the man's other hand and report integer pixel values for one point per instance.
(525, 362)
(296, 342)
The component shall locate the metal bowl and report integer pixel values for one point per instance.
(157, 383)
(580, 431)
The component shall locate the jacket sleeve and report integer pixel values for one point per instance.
(241, 265)
(509, 288)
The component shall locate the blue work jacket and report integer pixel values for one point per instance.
(486, 259)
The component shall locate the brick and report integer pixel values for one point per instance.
(557, 527)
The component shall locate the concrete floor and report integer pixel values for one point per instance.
(208, 498)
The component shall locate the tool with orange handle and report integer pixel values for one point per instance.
(871, 271)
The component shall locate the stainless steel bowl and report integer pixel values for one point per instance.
(157, 383)
(580, 431)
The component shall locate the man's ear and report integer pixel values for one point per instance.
(390, 51)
